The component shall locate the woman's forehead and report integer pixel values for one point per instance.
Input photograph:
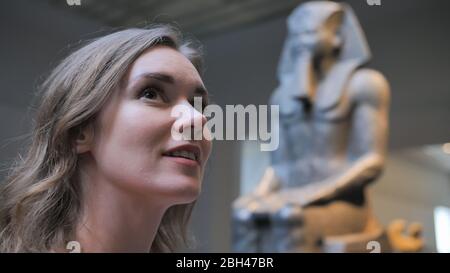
(164, 60)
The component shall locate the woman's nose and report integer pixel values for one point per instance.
(190, 121)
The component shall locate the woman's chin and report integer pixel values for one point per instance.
(184, 190)
(189, 193)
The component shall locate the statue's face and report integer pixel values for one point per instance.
(319, 36)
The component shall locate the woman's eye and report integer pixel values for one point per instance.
(151, 93)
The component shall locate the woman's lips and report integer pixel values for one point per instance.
(183, 161)
(187, 154)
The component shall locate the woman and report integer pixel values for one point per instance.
(103, 168)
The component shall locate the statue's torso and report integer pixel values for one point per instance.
(314, 142)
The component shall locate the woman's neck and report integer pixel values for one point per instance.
(113, 220)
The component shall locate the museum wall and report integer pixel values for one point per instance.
(31, 43)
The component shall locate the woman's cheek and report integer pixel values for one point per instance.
(145, 125)
(134, 142)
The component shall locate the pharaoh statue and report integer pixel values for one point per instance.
(332, 141)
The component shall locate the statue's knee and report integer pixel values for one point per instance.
(242, 215)
(245, 216)
(289, 214)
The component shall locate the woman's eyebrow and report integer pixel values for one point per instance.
(155, 75)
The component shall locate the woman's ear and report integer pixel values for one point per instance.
(84, 139)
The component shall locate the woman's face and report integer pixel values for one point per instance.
(133, 147)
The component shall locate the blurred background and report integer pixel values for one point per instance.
(243, 39)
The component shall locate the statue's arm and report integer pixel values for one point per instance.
(369, 95)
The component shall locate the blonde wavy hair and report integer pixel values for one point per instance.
(40, 201)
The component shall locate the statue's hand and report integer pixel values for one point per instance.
(268, 185)
(299, 195)
(321, 195)
(310, 194)
(244, 201)
(255, 204)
